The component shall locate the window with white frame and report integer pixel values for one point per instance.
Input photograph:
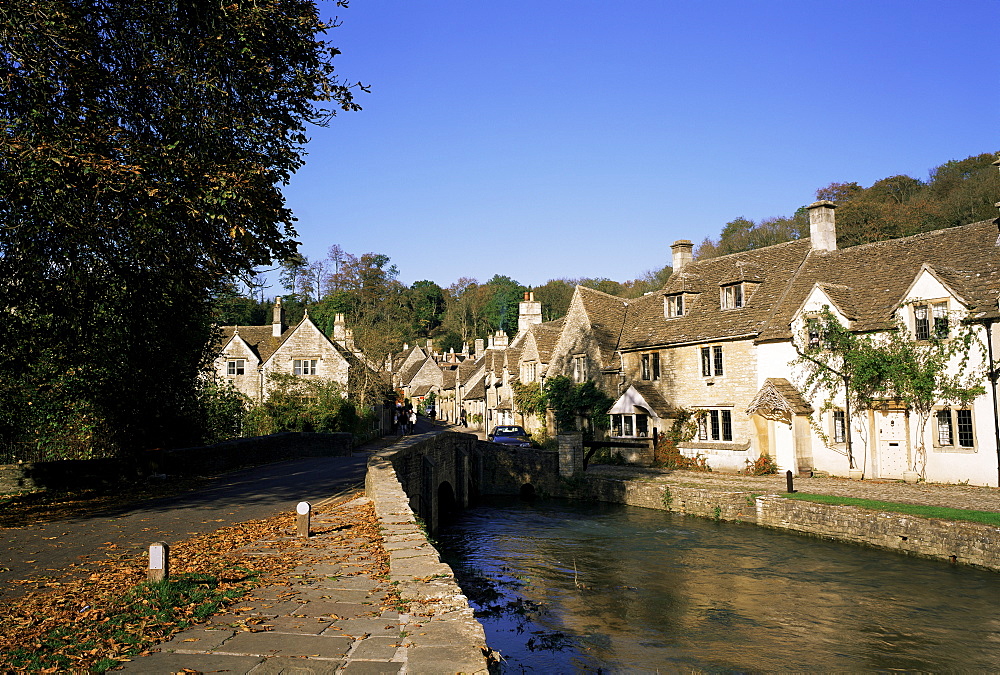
(529, 371)
(630, 426)
(731, 297)
(580, 368)
(646, 372)
(674, 305)
(715, 425)
(236, 367)
(711, 361)
(304, 366)
(955, 428)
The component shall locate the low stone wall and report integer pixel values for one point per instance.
(505, 470)
(108, 473)
(951, 541)
(449, 638)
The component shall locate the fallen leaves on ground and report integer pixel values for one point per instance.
(94, 623)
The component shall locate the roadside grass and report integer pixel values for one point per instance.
(130, 623)
(943, 512)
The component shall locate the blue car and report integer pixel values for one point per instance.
(507, 434)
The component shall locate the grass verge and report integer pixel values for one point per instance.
(129, 623)
(922, 511)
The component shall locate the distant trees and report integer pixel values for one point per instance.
(957, 192)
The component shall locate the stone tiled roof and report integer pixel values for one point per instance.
(478, 391)
(704, 319)
(878, 275)
(547, 337)
(259, 338)
(607, 318)
(655, 399)
(467, 370)
(867, 283)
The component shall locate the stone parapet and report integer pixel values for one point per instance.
(442, 634)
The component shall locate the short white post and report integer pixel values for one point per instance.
(159, 562)
(304, 510)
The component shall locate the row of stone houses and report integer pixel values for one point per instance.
(718, 342)
(249, 355)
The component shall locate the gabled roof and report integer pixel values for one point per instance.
(606, 314)
(477, 392)
(259, 339)
(645, 397)
(546, 336)
(880, 274)
(778, 399)
(768, 268)
(867, 283)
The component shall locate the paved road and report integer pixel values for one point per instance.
(52, 549)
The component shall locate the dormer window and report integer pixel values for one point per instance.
(732, 296)
(675, 305)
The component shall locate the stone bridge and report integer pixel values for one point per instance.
(441, 473)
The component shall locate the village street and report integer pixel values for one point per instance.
(67, 546)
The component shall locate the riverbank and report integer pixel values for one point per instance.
(758, 500)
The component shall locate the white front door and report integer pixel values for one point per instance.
(893, 450)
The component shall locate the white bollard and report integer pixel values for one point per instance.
(159, 562)
(304, 510)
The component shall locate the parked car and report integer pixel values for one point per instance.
(508, 434)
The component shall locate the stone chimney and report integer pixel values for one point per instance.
(822, 227)
(349, 340)
(339, 328)
(529, 312)
(480, 347)
(278, 320)
(683, 251)
(499, 340)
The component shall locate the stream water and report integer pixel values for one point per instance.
(582, 587)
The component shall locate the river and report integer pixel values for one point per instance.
(587, 587)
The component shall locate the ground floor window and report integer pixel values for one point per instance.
(715, 425)
(839, 426)
(955, 428)
(630, 425)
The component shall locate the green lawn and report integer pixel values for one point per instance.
(984, 517)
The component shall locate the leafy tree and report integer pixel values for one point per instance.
(555, 297)
(144, 146)
(500, 311)
(426, 303)
(888, 365)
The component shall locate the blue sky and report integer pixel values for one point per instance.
(543, 139)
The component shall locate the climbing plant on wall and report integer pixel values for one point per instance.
(890, 365)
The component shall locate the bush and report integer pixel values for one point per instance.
(669, 456)
(300, 404)
(762, 466)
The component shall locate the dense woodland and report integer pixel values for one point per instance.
(385, 314)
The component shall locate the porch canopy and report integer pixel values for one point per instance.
(641, 399)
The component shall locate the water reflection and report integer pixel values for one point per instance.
(565, 586)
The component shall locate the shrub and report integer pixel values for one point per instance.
(762, 466)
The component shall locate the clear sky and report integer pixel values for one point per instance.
(553, 138)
